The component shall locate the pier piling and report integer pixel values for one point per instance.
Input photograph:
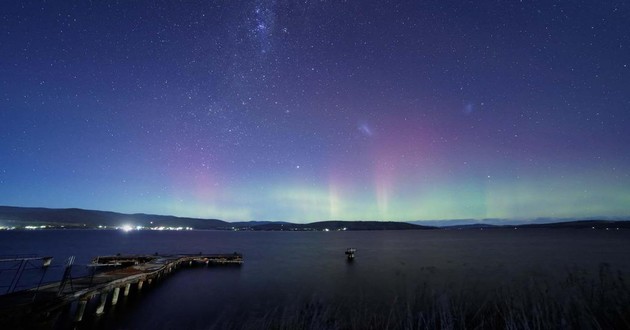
(101, 305)
(80, 310)
(115, 295)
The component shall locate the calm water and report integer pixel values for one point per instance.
(284, 267)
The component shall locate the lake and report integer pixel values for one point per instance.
(287, 268)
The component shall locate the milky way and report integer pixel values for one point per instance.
(302, 111)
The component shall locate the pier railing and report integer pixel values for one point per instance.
(19, 272)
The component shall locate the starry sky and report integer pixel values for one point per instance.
(317, 110)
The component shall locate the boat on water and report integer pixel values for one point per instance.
(350, 253)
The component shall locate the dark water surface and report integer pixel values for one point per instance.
(285, 267)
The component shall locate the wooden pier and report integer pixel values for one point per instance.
(111, 277)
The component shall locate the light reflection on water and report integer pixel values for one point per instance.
(281, 267)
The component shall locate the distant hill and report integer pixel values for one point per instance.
(342, 225)
(597, 224)
(472, 226)
(580, 224)
(533, 223)
(480, 222)
(21, 216)
(445, 223)
(80, 218)
(251, 224)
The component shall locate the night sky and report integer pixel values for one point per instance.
(317, 110)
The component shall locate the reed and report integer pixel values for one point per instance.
(579, 301)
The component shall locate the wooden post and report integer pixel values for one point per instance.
(101, 306)
(115, 295)
(80, 310)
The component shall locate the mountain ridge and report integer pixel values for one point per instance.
(19, 217)
(82, 218)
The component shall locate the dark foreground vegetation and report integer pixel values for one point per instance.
(579, 301)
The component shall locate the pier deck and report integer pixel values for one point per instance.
(114, 274)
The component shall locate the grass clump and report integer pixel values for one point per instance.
(579, 301)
